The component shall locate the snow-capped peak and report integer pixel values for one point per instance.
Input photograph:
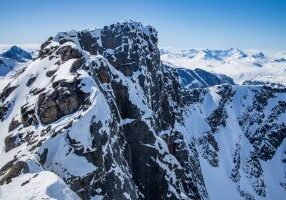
(18, 54)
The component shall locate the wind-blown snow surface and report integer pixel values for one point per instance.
(42, 185)
(98, 116)
(241, 65)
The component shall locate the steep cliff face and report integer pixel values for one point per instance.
(99, 116)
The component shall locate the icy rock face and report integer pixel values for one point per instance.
(201, 78)
(101, 114)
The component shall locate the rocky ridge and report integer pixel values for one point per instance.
(100, 115)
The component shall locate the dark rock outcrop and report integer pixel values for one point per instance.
(31, 81)
(12, 141)
(13, 125)
(68, 52)
(138, 136)
(6, 92)
(28, 116)
(15, 170)
(3, 110)
(64, 100)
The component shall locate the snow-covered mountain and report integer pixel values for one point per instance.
(241, 65)
(98, 116)
(14, 57)
(17, 54)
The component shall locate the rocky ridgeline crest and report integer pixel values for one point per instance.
(99, 110)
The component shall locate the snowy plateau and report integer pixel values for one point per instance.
(107, 114)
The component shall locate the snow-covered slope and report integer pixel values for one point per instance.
(241, 65)
(98, 116)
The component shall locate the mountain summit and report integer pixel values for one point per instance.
(98, 116)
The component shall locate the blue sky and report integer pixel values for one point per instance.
(254, 24)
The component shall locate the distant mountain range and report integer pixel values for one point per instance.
(241, 65)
